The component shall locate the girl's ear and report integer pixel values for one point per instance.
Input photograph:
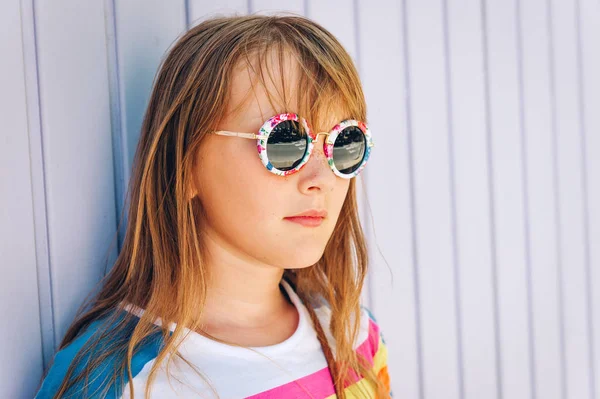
(192, 183)
(192, 191)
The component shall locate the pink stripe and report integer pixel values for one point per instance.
(320, 384)
(371, 345)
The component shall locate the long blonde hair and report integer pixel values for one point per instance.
(160, 266)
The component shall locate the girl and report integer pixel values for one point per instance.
(240, 275)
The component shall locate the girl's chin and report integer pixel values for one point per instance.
(300, 262)
(294, 267)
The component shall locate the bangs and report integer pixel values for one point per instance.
(306, 78)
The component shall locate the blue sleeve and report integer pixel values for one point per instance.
(97, 380)
(62, 360)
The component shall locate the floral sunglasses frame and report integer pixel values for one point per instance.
(270, 124)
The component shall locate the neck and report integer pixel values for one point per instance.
(242, 292)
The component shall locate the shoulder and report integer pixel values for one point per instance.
(99, 377)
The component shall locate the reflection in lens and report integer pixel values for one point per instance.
(349, 149)
(286, 145)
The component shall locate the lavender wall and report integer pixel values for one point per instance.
(481, 202)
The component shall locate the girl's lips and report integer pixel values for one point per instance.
(308, 221)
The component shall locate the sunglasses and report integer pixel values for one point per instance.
(285, 143)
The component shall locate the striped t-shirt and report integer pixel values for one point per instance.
(295, 368)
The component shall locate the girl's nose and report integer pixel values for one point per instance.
(317, 172)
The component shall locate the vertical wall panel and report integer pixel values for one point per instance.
(21, 354)
(540, 202)
(482, 198)
(430, 173)
(37, 180)
(77, 149)
(270, 6)
(506, 183)
(572, 240)
(138, 36)
(339, 18)
(201, 9)
(468, 171)
(389, 191)
(144, 32)
(589, 31)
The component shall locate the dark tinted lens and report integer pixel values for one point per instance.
(286, 145)
(349, 149)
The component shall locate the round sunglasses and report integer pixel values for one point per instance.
(285, 143)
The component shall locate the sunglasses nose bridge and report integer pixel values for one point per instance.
(322, 150)
(326, 134)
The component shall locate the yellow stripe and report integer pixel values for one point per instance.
(358, 390)
(381, 357)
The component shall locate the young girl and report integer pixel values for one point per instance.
(244, 259)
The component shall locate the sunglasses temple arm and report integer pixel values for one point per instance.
(239, 134)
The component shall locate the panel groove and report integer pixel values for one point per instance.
(369, 229)
(584, 187)
(557, 217)
(186, 10)
(453, 210)
(492, 206)
(117, 129)
(412, 200)
(525, 200)
(38, 181)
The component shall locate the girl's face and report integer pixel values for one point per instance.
(246, 205)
